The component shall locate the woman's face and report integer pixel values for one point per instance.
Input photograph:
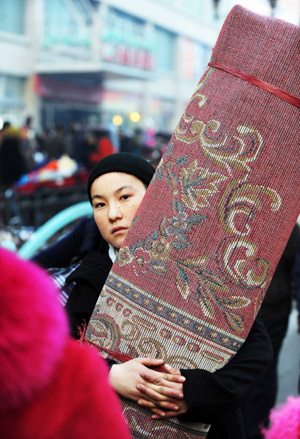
(116, 197)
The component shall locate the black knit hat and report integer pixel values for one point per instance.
(121, 162)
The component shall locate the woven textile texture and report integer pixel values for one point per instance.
(200, 254)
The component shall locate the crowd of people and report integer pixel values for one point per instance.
(25, 149)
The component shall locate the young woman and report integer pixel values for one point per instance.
(116, 187)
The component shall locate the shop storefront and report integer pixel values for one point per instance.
(64, 101)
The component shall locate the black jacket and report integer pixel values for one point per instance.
(73, 247)
(216, 398)
(89, 277)
(213, 398)
(277, 303)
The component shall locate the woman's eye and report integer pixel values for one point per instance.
(98, 205)
(125, 197)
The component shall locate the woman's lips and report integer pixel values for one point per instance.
(119, 230)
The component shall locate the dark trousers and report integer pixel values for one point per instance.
(263, 396)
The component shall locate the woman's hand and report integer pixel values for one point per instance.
(125, 378)
(162, 393)
(165, 409)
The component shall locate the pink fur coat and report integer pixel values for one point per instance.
(285, 420)
(51, 386)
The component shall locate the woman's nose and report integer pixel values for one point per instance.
(114, 212)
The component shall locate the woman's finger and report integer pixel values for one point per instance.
(150, 362)
(169, 391)
(158, 412)
(157, 377)
(150, 393)
(151, 378)
(159, 405)
(168, 405)
(171, 369)
(174, 378)
(146, 403)
(159, 393)
(168, 414)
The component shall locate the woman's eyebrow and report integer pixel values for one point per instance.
(96, 196)
(121, 188)
(117, 191)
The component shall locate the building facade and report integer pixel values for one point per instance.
(133, 63)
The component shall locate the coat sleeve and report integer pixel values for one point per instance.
(67, 248)
(89, 407)
(216, 396)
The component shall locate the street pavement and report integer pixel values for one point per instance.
(289, 361)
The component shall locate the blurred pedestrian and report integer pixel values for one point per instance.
(6, 125)
(12, 160)
(29, 142)
(125, 142)
(56, 145)
(76, 136)
(104, 146)
(138, 145)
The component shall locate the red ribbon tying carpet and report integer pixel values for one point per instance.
(293, 100)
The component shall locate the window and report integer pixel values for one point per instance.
(127, 40)
(164, 50)
(12, 16)
(66, 26)
(11, 89)
(14, 88)
(125, 29)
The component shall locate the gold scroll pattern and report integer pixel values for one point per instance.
(240, 201)
(194, 188)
